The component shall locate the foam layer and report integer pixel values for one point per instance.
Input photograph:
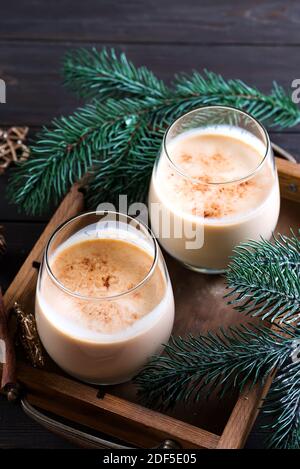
(209, 157)
(99, 268)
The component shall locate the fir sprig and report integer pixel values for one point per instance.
(115, 139)
(276, 109)
(194, 367)
(93, 74)
(121, 129)
(283, 403)
(75, 146)
(264, 277)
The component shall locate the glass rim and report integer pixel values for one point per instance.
(216, 183)
(108, 297)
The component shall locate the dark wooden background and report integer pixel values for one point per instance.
(255, 40)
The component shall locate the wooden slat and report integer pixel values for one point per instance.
(113, 414)
(25, 279)
(289, 178)
(64, 396)
(128, 421)
(20, 238)
(32, 97)
(247, 406)
(245, 411)
(192, 21)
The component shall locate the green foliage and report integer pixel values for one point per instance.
(275, 108)
(115, 138)
(196, 366)
(93, 74)
(263, 277)
(283, 403)
(264, 280)
(131, 173)
(74, 146)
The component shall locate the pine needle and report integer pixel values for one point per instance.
(194, 367)
(263, 278)
(117, 137)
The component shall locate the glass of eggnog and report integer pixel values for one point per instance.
(214, 185)
(104, 301)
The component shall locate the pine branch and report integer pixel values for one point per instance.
(116, 139)
(264, 279)
(197, 366)
(103, 74)
(99, 137)
(276, 108)
(94, 134)
(283, 403)
(131, 175)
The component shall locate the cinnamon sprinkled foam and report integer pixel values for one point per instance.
(99, 268)
(206, 158)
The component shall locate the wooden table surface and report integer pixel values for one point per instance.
(255, 40)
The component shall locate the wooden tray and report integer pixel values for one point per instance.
(114, 410)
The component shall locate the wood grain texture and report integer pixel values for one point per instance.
(173, 22)
(26, 277)
(20, 238)
(36, 68)
(115, 416)
(244, 410)
(289, 178)
(119, 417)
(34, 36)
(118, 412)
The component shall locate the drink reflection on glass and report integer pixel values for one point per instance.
(215, 184)
(104, 301)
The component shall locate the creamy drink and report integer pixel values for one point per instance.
(216, 186)
(104, 301)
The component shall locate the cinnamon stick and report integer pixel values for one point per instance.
(7, 351)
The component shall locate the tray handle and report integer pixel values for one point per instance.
(279, 151)
(72, 434)
(80, 437)
(85, 439)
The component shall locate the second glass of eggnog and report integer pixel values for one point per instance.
(104, 301)
(214, 185)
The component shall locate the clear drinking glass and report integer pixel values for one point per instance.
(74, 341)
(214, 185)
